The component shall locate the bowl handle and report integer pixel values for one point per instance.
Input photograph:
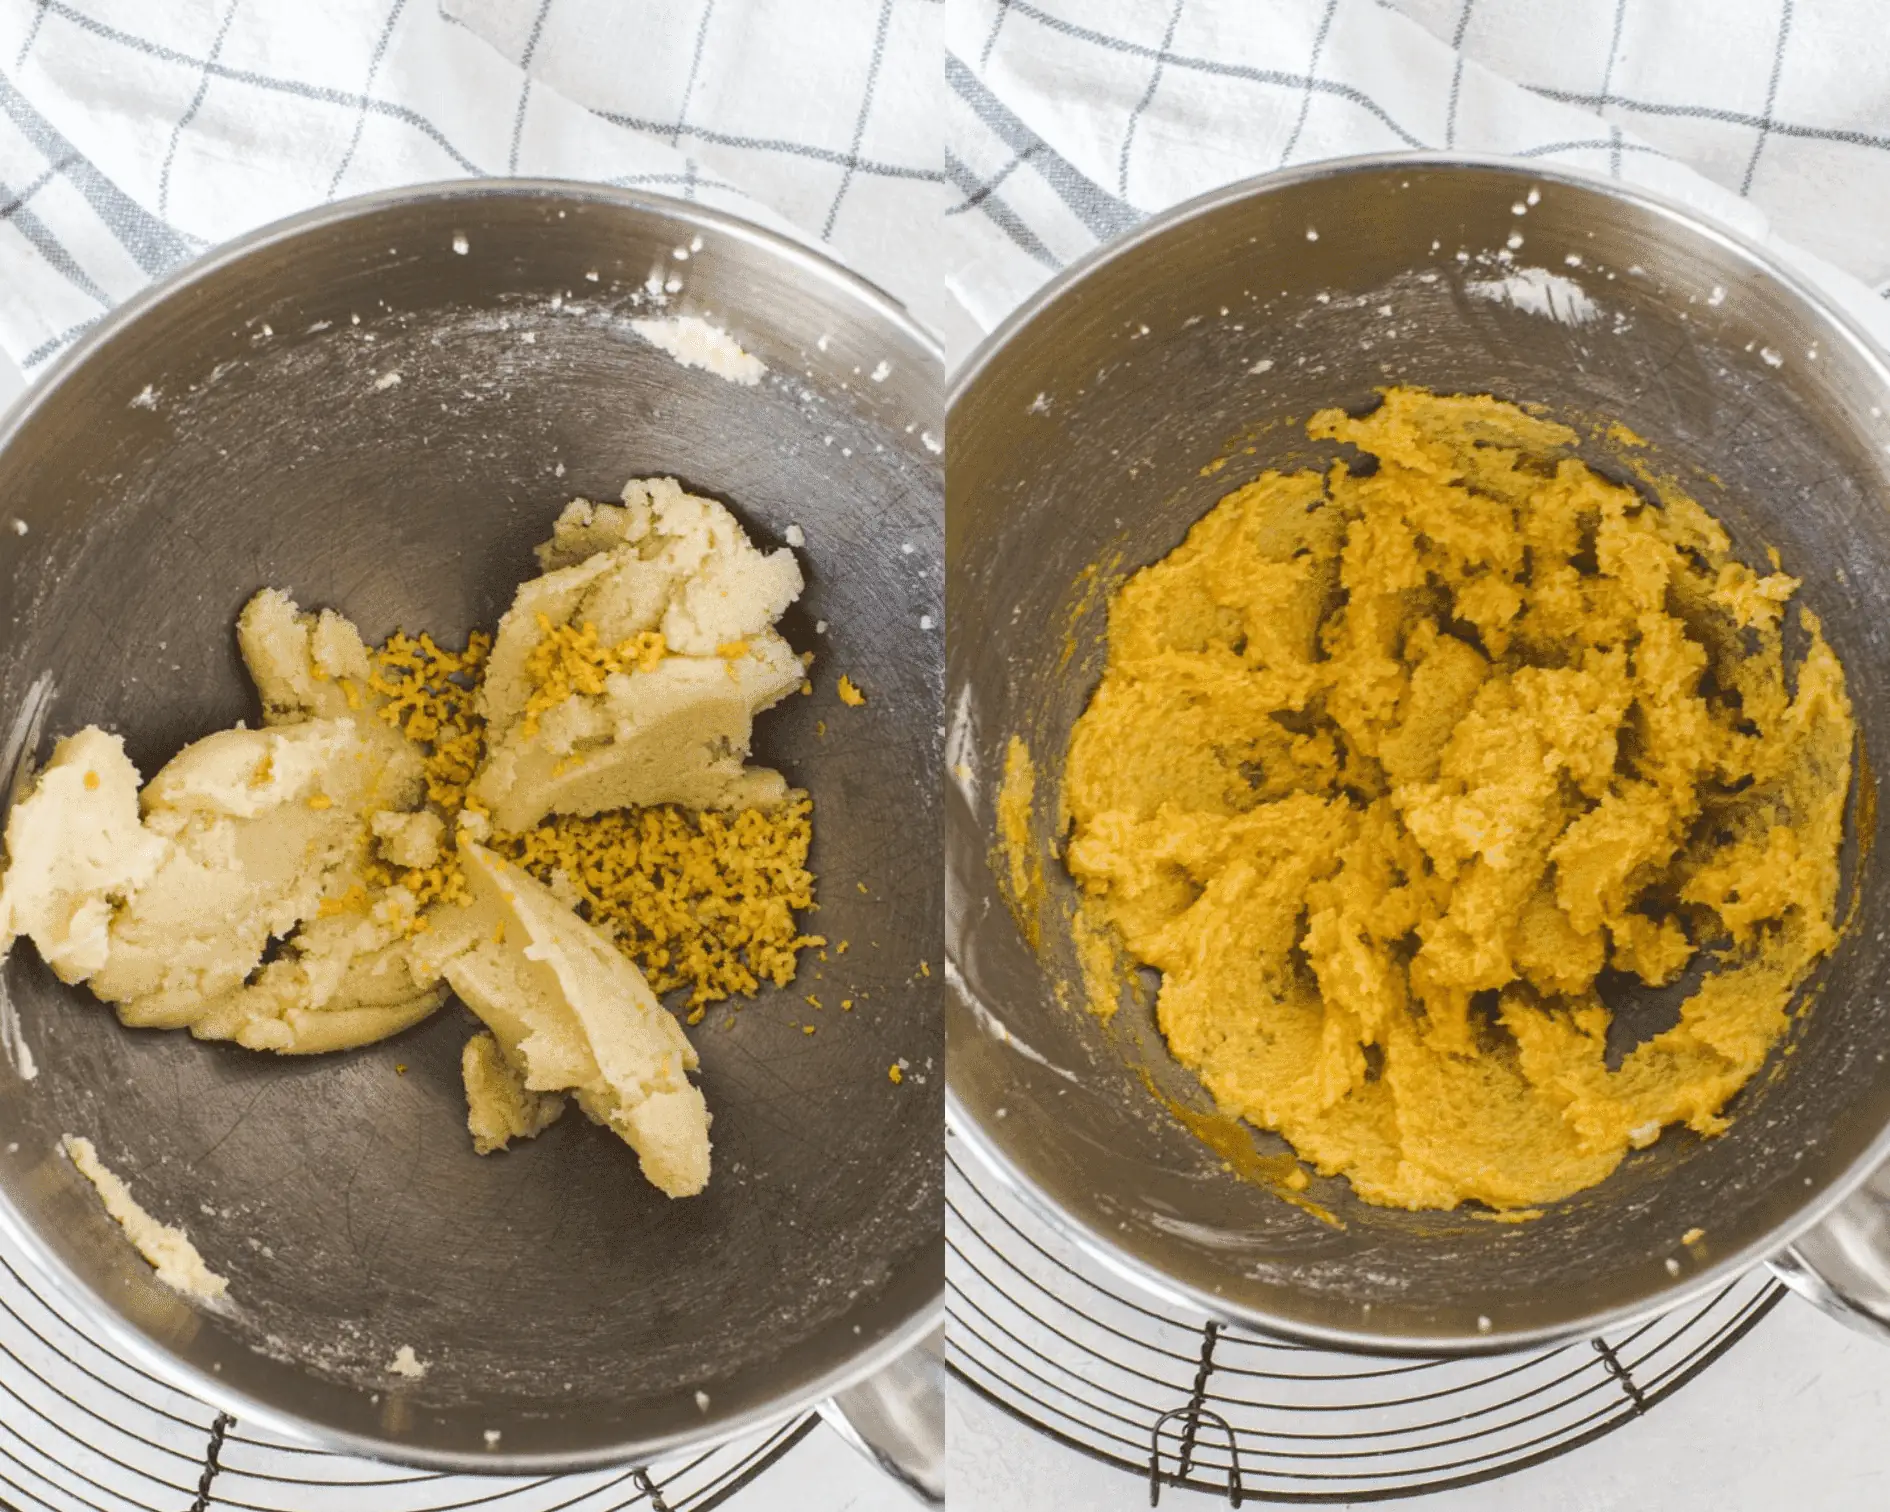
(1843, 1265)
(897, 1418)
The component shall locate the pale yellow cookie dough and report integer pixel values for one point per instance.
(631, 672)
(1386, 766)
(343, 833)
(77, 850)
(572, 1014)
(499, 1106)
(244, 836)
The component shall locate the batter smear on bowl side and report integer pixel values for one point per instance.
(1389, 765)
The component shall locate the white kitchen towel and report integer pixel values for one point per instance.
(1070, 120)
(135, 133)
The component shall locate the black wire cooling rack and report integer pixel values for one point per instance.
(84, 1430)
(1040, 1331)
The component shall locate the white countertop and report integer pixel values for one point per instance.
(822, 1473)
(1793, 1415)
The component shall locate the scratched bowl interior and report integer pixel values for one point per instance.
(1081, 432)
(244, 429)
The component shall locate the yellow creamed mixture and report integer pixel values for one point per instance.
(1389, 764)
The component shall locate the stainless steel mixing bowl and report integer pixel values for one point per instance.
(238, 427)
(1079, 433)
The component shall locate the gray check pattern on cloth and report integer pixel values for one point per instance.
(1067, 121)
(136, 133)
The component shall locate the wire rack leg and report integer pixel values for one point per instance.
(1189, 1420)
(1209, 1336)
(650, 1489)
(1619, 1371)
(218, 1431)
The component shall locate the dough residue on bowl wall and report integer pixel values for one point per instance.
(1538, 291)
(695, 343)
(167, 1248)
(1021, 860)
(408, 1364)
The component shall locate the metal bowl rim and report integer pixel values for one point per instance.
(1258, 185)
(1091, 1240)
(147, 1353)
